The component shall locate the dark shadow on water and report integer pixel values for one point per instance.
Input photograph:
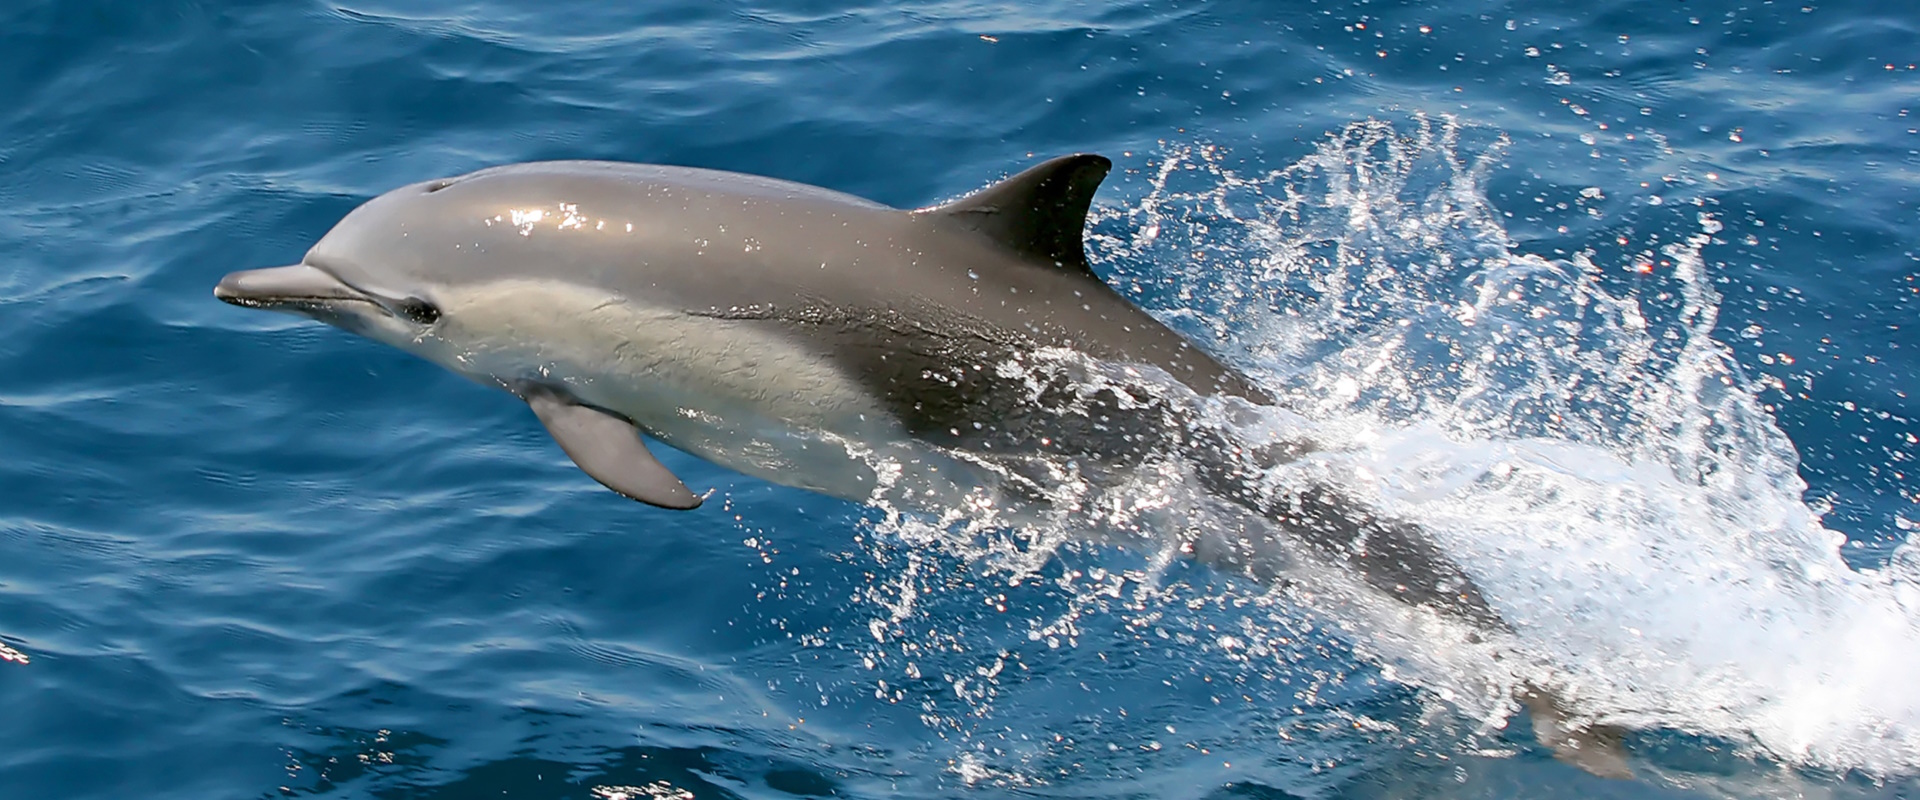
(633, 772)
(1250, 791)
(553, 757)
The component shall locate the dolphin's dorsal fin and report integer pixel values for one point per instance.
(608, 448)
(1040, 213)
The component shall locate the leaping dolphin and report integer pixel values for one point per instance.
(795, 333)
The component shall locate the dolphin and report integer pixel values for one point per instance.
(802, 336)
(795, 333)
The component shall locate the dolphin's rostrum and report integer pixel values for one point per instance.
(799, 334)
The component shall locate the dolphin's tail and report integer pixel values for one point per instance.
(1396, 558)
(1595, 748)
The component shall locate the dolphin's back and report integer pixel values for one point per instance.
(662, 178)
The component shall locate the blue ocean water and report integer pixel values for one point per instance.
(1613, 297)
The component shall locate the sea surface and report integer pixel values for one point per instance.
(1616, 298)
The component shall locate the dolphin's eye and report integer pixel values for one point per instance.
(416, 310)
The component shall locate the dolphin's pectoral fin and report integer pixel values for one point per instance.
(1040, 213)
(1597, 749)
(609, 449)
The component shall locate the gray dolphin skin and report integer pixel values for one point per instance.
(802, 336)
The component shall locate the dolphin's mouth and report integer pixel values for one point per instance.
(307, 289)
(296, 288)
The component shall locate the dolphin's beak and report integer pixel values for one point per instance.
(296, 288)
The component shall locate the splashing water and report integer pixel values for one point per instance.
(1568, 431)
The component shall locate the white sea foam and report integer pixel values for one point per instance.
(1568, 430)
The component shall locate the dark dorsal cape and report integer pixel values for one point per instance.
(936, 370)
